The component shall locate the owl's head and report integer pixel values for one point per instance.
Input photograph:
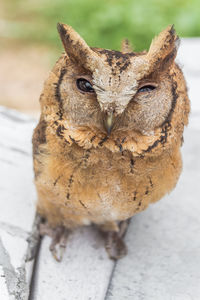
(113, 93)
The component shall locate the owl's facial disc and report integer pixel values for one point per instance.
(111, 90)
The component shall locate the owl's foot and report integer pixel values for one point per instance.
(59, 237)
(114, 244)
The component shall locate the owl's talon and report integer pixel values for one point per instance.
(57, 254)
(115, 246)
(59, 237)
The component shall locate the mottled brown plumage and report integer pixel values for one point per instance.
(109, 136)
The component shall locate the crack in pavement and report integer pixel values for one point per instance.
(15, 280)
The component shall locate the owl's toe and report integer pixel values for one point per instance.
(59, 237)
(115, 246)
(114, 243)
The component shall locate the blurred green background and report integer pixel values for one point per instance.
(30, 45)
(102, 23)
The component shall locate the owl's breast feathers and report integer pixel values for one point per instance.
(100, 179)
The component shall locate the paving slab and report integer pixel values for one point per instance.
(17, 204)
(16, 172)
(188, 59)
(188, 55)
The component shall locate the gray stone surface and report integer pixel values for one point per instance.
(163, 262)
(188, 58)
(188, 55)
(17, 208)
(18, 195)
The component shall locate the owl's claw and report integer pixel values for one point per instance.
(114, 244)
(59, 237)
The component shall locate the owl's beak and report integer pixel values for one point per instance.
(108, 122)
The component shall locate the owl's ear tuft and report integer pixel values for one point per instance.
(163, 49)
(76, 48)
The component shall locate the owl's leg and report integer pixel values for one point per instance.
(114, 244)
(59, 237)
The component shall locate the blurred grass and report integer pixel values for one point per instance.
(102, 23)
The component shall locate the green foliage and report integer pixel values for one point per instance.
(102, 23)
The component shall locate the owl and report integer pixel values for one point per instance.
(108, 140)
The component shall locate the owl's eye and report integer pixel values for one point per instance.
(84, 85)
(146, 88)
